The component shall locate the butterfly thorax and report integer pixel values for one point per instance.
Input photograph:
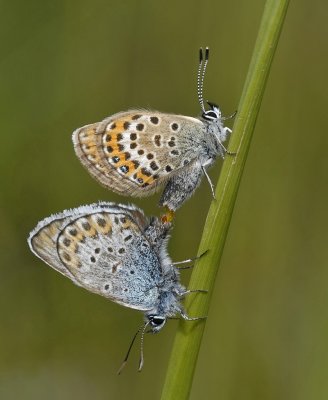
(216, 135)
(169, 288)
(168, 304)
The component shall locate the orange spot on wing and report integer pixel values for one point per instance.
(118, 125)
(146, 179)
(127, 224)
(131, 167)
(118, 129)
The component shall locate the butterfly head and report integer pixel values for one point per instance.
(156, 322)
(213, 114)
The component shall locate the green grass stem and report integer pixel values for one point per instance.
(189, 335)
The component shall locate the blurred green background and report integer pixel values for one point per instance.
(65, 64)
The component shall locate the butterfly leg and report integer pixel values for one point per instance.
(187, 318)
(208, 180)
(187, 267)
(183, 292)
(189, 260)
(225, 150)
(181, 186)
(229, 116)
(192, 291)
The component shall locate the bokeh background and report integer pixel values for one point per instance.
(64, 64)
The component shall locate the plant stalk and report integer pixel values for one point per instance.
(189, 335)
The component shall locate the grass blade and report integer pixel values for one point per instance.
(189, 335)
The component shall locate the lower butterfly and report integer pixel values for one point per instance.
(116, 252)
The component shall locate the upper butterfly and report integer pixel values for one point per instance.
(137, 151)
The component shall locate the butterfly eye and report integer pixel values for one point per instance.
(157, 322)
(211, 115)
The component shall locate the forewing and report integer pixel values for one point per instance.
(103, 249)
(135, 152)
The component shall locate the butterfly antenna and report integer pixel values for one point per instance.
(203, 60)
(129, 350)
(199, 80)
(141, 361)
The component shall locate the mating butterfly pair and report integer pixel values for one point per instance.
(114, 250)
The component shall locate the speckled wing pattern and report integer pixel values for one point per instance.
(136, 151)
(102, 248)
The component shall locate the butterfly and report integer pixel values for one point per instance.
(136, 152)
(117, 252)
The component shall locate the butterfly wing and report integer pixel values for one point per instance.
(103, 249)
(135, 152)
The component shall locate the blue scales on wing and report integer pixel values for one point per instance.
(103, 248)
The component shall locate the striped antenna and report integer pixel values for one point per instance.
(201, 75)
(142, 327)
(141, 360)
